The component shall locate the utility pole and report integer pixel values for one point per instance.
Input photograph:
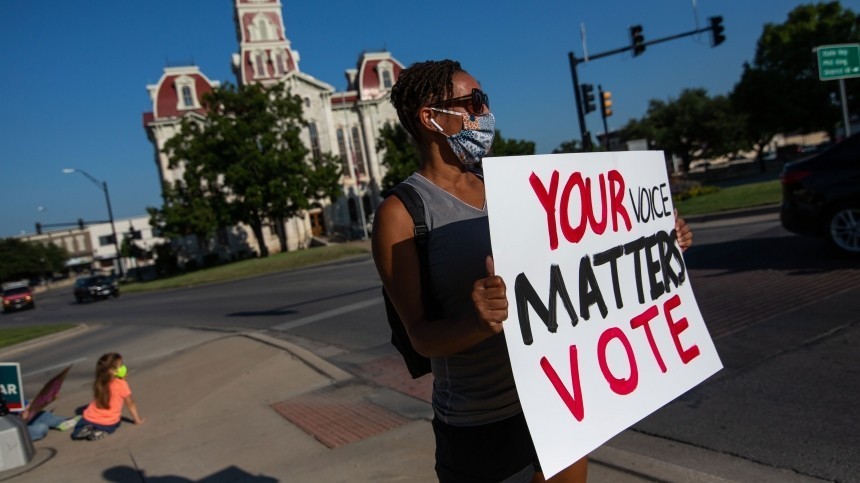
(583, 132)
(104, 187)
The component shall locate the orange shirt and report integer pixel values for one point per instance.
(119, 390)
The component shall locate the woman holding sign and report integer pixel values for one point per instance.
(481, 433)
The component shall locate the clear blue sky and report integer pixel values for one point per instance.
(74, 78)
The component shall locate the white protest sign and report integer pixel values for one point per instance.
(603, 328)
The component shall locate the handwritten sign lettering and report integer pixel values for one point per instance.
(603, 327)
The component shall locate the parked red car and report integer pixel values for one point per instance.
(17, 295)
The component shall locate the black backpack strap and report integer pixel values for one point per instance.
(417, 364)
(414, 204)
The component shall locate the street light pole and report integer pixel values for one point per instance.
(104, 187)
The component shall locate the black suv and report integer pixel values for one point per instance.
(95, 287)
(821, 195)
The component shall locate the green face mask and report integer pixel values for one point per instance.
(121, 371)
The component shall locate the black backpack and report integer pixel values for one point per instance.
(417, 364)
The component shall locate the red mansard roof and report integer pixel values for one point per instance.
(167, 97)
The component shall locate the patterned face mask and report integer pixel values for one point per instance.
(474, 141)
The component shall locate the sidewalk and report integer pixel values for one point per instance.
(219, 412)
(254, 408)
(209, 417)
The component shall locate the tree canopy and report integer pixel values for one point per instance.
(693, 126)
(510, 147)
(21, 259)
(779, 92)
(401, 157)
(572, 146)
(244, 162)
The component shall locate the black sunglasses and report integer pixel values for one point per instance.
(478, 99)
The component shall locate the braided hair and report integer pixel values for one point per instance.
(420, 84)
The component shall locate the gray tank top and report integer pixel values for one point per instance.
(475, 386)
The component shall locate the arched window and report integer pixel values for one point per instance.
(259, 65)
(307, 102)
(186, 94)
(365, 202)
(358, 159)
(341, 147)
(353, 210)
(385, 71)
(263, 28)
(279, 63)
(187, 97)
(386, 79)
(315, 141)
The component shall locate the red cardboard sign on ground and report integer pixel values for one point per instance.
(603, 327)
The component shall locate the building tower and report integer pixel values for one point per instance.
(264, 54)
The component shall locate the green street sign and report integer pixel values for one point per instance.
(11, 386)
(838, 61)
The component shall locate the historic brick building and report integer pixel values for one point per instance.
(344, 123)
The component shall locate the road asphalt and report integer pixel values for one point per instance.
(252, 407)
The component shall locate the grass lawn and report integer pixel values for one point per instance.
(250, 268)
(15, 335)
(735, 197)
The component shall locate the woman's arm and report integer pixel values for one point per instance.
(132, 408)
(397, 262)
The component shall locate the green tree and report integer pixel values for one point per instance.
(756, 98)
(401, 156)
(190, 208)
(54, 256)
(572, 146)
(779, 92)
(21, 259)
(693, 126)
(510, 147)
(249, 160)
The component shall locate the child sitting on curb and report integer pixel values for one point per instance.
(110, 390)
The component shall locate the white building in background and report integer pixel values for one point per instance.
(139, 233)
(92, 248)
(344, 123)
(76, 242)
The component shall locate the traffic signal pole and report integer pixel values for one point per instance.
(715, 27)
(580, 114)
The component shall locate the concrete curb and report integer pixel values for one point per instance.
(722, 215)
(44, 340)
(655, 458)
(322, 366)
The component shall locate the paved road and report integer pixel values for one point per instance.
(260, 303)
(781, 308)
(783, 311)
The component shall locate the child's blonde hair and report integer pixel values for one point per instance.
(101, 387)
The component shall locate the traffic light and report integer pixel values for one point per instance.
(588, 97)
(38, 228)
(637, 40)
(81, 223)
(717, 29)
(606, 103)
